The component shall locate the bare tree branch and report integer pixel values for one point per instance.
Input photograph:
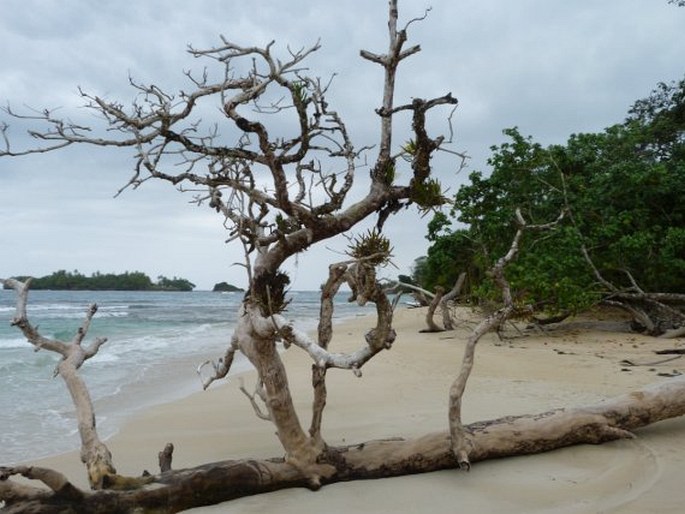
(447, 320)
(94, 453)
(258, 393)
(460, 443)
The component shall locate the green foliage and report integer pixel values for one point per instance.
(389, 173)
(299, 90)
(410, 148)
(225, 287)
(448, 256)
(625, 188)
(128, 281)
(419, 271)
(174, 284)
(372, 247)
(438, 226)
(427, 194)
(406, 279)
(660, 119)
(269, 292)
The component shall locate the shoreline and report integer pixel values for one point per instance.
(403, 393)
(154, 346)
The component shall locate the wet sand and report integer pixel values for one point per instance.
(403, 393)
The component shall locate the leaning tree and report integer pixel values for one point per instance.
(279, 193)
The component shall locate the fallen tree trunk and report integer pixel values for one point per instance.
(174, 491)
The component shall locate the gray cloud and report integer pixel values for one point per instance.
(551, 67)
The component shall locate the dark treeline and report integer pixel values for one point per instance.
(128, 281)
(225, 287)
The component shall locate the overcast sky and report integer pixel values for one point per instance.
(550, 67)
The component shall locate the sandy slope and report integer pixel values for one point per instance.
(403, 393)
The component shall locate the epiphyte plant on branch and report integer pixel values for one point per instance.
(277, 199)
(274, 193)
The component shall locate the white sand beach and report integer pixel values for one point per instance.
(403, 393)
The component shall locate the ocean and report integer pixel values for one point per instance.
(156, 340)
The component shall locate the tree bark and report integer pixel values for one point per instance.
(447, 320)
(672, 334)
(222, 481)
(258, 343)
(430, 314)
(462, 446)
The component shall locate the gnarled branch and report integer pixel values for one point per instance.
(460, 443)
(94, 453)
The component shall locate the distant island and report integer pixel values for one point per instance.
(129, 281)
(225, 287)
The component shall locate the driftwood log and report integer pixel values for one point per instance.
(173, 491)
(277, 199)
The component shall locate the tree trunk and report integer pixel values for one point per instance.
(430, 314)
(447, 320)
(258, 336)
(94, 453)
(213, 483)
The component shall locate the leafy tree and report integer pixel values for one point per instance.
(660, 119)
(625, 229)
(127, 281)
(174, 284)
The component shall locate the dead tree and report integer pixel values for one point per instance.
(447, 301)
(275, 195)
(461, 445)
(273, 191)
(424, 295)
(438, 299)
(430, 313)
(94, 453)
(277, 199)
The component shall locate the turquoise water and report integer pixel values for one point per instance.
(155, 342)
